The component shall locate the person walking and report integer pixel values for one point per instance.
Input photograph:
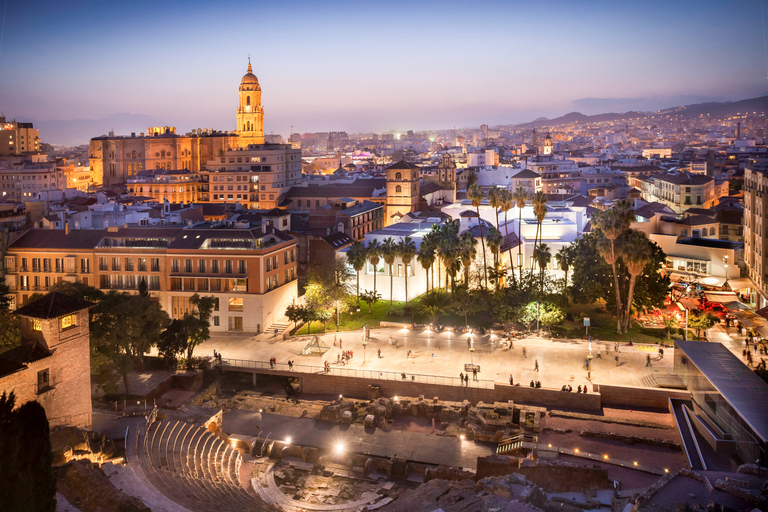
(461, 377)
(525, 354)
(474, 373)
(511, 381)
(617, 360)
(466, 380)
(536, 365)
(661, 352)
(379, 352)
(648, 360)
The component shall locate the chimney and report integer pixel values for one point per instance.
(66, 228)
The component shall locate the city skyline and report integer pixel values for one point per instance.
(371, 68)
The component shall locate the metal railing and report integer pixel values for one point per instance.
(359, 373)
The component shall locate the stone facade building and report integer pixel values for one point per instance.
(402, 191)
(53, 364)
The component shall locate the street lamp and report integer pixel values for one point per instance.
(472, 349)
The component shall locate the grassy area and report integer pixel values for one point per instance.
(354, 321)
(603, 325)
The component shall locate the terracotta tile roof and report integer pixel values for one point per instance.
(53, 305)
(402, 164)
(17, 358)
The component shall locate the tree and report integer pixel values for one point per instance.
(5, 296)
(388, 253)
(494, 241)
(447, 246)
(520, 196)
(10, 331)
(434, 304)
(407, 250)
(184, 334)
(539, 203)
(701, 322)
(27, 481)
(636, 252)
(143, 291)
(373, 251)
(670, 323)
(543, 256)
(507, 202)
(547, 313)
(476, 195)
(356, 256)
(464, 302)
(370, 297)
(124, 326)
(564, 258)
(426, 255)
(467, 253)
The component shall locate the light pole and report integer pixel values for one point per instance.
(472, 349)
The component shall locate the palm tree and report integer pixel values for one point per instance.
(356, 256)
(448, 241)
(543, 256)
(494, 199)
(476, 195)
(564, 258)
(507, 202)
(539, 203)
(433, 304)
(636, 252)
(407, 250)
(520, 196)
(467, 253)
(388, 253)
(611, 227)
(426, 256)
(495, 240)
(373, 251)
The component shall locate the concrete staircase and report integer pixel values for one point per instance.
(281, 325)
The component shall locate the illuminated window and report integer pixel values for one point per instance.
(68, 321)
(236, 304)
(37, 325)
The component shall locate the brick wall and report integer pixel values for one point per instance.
(627, 396)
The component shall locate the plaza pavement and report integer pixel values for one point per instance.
(444, 354)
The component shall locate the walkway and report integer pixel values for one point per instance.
(412, 446)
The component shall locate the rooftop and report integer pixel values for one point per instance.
(53, 305)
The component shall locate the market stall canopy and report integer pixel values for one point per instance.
(736, 306)
(740, 283)
(721, 297)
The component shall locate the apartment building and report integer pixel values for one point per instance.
(18, 138)
(756, 230)
(25, 182)
(680, 190)
(251, 271)
(175, 186)
(258, 176)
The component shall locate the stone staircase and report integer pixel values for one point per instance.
(281, 325)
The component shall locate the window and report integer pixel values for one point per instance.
(43, 380)
(216, 321)
(85, 266)
(293, 254)
(214, 266)
(155, 264)
(142, 264)
(46, 264)
(215, 303)
(227, 266)
(68, 321)
(399, 270)
(286, 275)
(285, 257)
(398, 189)
(398, 176)
(35, 264)
(116, 264)
(129, 264)
(174, 265)
(241, 267)
(37, 325)
(201, 266)
(236, 304)
(187, 265)
(24, 263)
(154, 282)
(59, 264)
(269, 264)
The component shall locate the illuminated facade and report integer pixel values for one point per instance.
(161, 185)
(402, 191)
(250, 114)
(18, 138)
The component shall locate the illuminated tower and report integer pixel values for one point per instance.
(548, 145)
(250, 115)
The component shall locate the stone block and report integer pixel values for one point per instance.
(369, 420)
(346, 417)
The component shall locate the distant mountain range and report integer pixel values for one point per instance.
(758, 105)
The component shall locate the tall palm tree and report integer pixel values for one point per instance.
(373, 251)
(467, 253)
(636, 253)
(407, 250)
(543, 256)
(448, 242)
(520, 196)
(539, 203)
(476, 195)
(564, 258)
(506, 204)
(426, 256)
(494, 240)
(388, 253)
(611, 227)
(356, 256)
(494, 199)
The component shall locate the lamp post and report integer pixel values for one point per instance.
(472, 349)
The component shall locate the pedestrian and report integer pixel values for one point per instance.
(579, 389)
(570, 388)
(461, 377)
(617, 360)
(511, 381)
(585, 389)
(403, 375)
(538, 384)
(744, 352)
(536, 365)
(533, 385)
(379, 353)
(275, 333)
(755, 348)
(648, 360)
(351, 354)
(466, 380)
(340, 343)
(214, 353)
(338, 358)
(525, 355)
(661, 353)
(474, 373)
(616, 347)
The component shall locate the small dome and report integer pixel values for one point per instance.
(249, 78)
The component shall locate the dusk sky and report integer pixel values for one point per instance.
(371, 66)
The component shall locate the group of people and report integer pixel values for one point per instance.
(535, 383)
(568, 388)
(272, 362)
(465, 378)
(217, 356)
(344, 356)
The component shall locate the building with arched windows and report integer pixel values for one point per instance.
(116, 159)
(402, 191)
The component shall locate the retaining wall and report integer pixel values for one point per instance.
(628, 396)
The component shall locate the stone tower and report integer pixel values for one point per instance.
(548, 144)
(402, 190)
(446, 173)
(250, 115)
(53, 364)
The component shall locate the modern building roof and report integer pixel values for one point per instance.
(740, 387)
(53, 305)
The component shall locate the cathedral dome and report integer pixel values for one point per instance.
(249, 78)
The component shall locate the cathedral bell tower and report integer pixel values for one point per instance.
(250, 115)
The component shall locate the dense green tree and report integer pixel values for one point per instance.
(592, 277)
(426, 256)
(370, 297)
(701, 322)
(547, 313)
(10, 332)
(543, 256)
(539, 202)
(635, 252)
(476, 195)
(407, 250)
(464, 302)
(27, 482)
(433, 304)
(564, 259)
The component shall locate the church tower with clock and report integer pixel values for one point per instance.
(250, 114)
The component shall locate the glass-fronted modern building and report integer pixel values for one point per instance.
(730, 401)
